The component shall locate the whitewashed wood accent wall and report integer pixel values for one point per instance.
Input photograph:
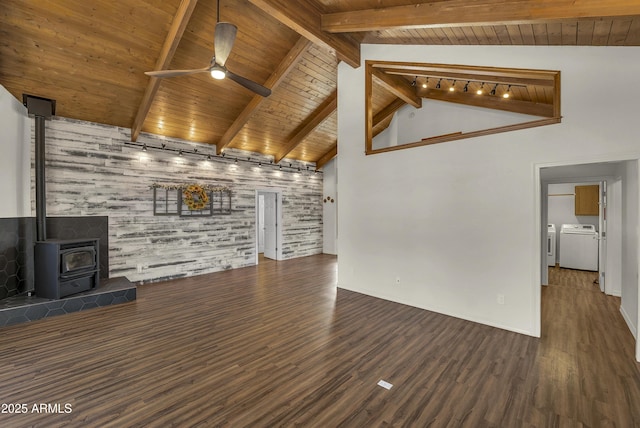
(91, 172)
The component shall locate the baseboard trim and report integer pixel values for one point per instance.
(627, 319)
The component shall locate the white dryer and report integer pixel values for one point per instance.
(579, 247)
(551, 244)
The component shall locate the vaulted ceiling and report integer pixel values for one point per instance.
(90, 56)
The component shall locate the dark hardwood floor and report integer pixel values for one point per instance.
(279, 345)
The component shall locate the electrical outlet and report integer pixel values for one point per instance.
(501, 299)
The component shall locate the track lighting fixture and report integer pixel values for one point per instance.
(466, 87)
(438, 85)
(479, 91)
(415, 79)
(452, 87)
(493, 91)
(221, 157)
(506, 94)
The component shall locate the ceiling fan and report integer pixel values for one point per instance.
(224, 36)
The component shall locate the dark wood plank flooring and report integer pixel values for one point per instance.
(279, 345)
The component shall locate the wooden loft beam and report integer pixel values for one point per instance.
(332, 153)
(304, 18)
(455, 13)
(487, 101)
(286, 65)
(398, 86)
(387, 111)
(325, 109)
(178, 25)
(384, 114)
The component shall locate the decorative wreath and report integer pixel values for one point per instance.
(195, 197)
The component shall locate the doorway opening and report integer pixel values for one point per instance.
(618, 204)
(268, 225)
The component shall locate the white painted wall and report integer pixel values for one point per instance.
(15, 182)
(329, 209)
(457, 223)
(410, 124)
(629, 306)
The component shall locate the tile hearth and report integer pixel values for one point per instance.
(22, 308)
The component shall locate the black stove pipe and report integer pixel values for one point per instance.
(42, 109)
(41, 189)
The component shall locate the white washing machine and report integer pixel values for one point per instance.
(551, 244)
(579, 247)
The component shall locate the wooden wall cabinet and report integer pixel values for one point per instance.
(587, 198)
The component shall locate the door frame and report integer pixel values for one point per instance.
(278, 193)
(539, 233)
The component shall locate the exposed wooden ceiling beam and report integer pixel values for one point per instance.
(486, 101)
(304, 17)
(480, 12)
(285, 66)
(320, 114)
(398, 86)
(385, 114)
(178, 25)
(387, 111)
(332, 153)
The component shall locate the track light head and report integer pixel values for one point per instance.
(144, 147)
(466, 87)
(438, 85)
(506, 94)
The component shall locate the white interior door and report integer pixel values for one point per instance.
(270, 225)
(602, 235)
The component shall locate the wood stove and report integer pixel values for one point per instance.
(66, 267)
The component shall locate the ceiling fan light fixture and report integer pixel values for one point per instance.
(218, 73)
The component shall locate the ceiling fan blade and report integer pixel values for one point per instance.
(224, 37)
(249, 84)
(174, 73)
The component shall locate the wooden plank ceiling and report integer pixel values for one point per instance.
(91, 58)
